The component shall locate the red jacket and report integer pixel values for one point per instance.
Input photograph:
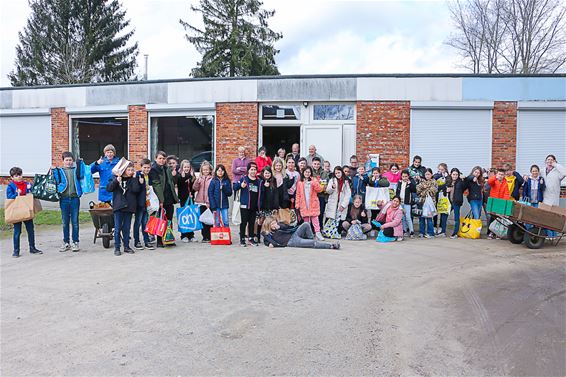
(262, 162)
(499, 189)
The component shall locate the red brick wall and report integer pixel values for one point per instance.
(384, 128)
(137, 133)
(236, 125)
(59, 134)
(504, 133)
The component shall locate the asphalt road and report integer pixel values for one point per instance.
(419, 307)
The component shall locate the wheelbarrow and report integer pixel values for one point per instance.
(103, 220)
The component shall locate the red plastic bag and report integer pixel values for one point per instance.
(157, 226)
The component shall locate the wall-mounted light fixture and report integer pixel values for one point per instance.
(305, 103)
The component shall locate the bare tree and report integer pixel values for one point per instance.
(510, 36)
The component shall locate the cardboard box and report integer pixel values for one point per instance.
(539, 216)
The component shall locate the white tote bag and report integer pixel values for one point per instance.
(375, 195)
(429, 209)
(236, 219)
(207, 217)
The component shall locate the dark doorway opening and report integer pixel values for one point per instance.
(280, 137)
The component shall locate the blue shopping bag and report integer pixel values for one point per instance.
(188, 217)
(86, 181)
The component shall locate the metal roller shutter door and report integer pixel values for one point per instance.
(540, 133)
(459, 137)
(25, 141)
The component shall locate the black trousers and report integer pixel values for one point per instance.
(388, 232)
(248, 217)
(205, 228)
(169, 212)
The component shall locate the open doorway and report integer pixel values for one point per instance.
(91, 135)
(275, 137)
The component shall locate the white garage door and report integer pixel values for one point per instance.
(25, 141)
(540, 133)
(460, 138)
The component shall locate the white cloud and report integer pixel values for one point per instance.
(319, 36)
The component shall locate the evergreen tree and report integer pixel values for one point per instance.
(236, 39)
(74, 41)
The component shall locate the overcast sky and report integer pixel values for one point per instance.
(319, 36)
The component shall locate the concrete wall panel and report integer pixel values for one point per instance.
(5, 100)
(315, 89)
(514, 88)
(409, 89)
(131, 94)
(49, 97)
(213, 91)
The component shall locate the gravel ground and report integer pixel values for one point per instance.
(419, 307)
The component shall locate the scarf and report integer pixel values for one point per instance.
(22, 186)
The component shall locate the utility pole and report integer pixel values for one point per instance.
(145, 69)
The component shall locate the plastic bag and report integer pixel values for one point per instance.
(169, 237)
(356, 233)
(443, 206)
(499, 227)
(207, 217)
(188, 217)
(236, 218)
(429, 209)
(469, 228)
(152, 201)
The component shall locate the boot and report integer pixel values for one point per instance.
(33, 250)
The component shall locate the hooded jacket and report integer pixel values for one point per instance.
(158, 175)
(104, 170)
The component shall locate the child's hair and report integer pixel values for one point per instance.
(160, 153)
(289, 158)
(358, 196)
(480, 178)
(417, 157)
(429, 170)
(532, 166)
(338, 168)
(406, 172)
(455, 170)
(397, 197)
(326, 162)
(15, 171)
(145, 161)
(443, 165)
(302, 159)
(67, 154)
(316, 159)
(130, 165)
(393, 165)
(375, 169)
(507, 166)
(271, 180)
(185, 162)
(278, 160)
(250, 164)
(172, 157)
(501, 170)
(266, 226)
(206, 163)
(262, 149)
(225, 175)
(553, 157)
(303, 173)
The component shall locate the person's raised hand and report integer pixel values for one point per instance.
(119, 179)
(244, 184)
(100, 160)
(174, 172)
(141, 180)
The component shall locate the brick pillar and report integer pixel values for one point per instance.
(384, 128)
(236, 125)
(504, 134)
(59, 134)
(137, 133)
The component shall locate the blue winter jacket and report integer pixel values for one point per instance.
(218, 193)
(61, 179)
(106, 176)
(359, 185)
(12, 190)
(245, 193)
(527, 190)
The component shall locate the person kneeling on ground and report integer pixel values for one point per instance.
(392, 214)
(357, 214)
(281, 235)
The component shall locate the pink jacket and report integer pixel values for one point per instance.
(201, 186)
(392, 178)
(301, 201)
(393, 219)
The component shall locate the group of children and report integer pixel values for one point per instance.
(272, 193)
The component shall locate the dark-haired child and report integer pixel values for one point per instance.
(141, 216)
(19, 187)
(219, 190)
(251, 195)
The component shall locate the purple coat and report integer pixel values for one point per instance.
(239, 168)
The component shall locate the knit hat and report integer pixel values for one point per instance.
(110, 147)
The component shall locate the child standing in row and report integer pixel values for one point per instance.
(499, 189)
(323, 176)
(427, 188)
(405, 190)
(251, 196)
(201, 186)
(534, 186)
(307, 200)
(359, 183)
(339, 196)
(141, 210)
(19, 187)
(219, 190)
(125, 190)
(69, 187)
(185, 182)
(474, 183)
(455, 192)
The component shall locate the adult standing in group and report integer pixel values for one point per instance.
(161, 178)
(104, 167)
(240, 165)
(417, 170)
(312, 154)
(295, 153)
(353, 166)
(262, 160)
(553, 174)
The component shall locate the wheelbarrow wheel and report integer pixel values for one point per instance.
(534, 241)
(106, 239)
(515, 234)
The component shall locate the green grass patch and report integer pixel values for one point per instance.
(45, 217)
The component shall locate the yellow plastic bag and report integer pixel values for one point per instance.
(443, 206)
(469, 228)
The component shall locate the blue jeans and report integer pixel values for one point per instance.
(70, 214)
(122, 224)
(476, 206)
(408, 219)
(456, 218)
(443, 222)
(224, 213)
(429, 226)
(140, 222)
(18, 232)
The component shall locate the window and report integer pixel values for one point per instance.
(187, 137)
(333, 112)
(91, 135)
(276, 112)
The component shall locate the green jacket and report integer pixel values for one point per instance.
(157, 176)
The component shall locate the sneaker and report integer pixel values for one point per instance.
(438, 230)
(412, 235)
(149, 246)
(253, 242)
(428, 236)
(205, 240)
(335, 245)
(33, 250)
(138, 246)
(421, 236)
(319, 236)
(191, 240)
(65, 247)
(160, 245)
(75, 247)
(128, 250)
(490, 236)
(117, 252)
(16, 254)
(243, 243)
(399, 239)
(454, 236)
(441, 235)
(185, 240)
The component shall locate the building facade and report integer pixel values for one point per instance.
(463, 120)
